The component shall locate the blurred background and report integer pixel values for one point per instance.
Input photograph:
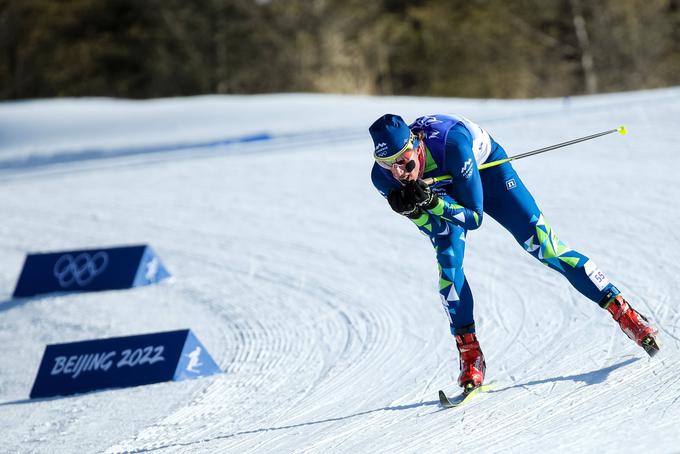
(461, 48)
(289, 266)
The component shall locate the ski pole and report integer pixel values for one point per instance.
(621, 130)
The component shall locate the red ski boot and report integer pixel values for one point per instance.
(635, 325)
(472, 365)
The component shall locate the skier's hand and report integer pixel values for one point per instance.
(421, 194)
(402, 201)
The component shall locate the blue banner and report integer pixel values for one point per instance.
(120, 362)
(89, 270)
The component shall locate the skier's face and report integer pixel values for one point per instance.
(407, 168)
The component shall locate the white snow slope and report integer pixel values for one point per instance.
(318, 302)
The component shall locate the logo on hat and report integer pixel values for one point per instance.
(390, 134)
(381, 149)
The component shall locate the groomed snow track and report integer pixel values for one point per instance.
(320, 304)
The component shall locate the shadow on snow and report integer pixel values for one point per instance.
(588, 378)
(593, 377)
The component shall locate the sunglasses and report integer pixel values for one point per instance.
(405, 157)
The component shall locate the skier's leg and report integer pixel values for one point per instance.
(458, 303)
(453, 287)
(509, 202)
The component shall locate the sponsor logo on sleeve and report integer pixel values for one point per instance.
(466, 170)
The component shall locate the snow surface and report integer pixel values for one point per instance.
(318, 302)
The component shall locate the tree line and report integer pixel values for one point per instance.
(465, 48)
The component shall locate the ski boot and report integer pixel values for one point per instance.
(472, 364)
(635, 325)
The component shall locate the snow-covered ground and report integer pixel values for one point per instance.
(319, 303)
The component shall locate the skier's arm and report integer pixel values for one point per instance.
(463, 203)
(427, 223)
(450, 211)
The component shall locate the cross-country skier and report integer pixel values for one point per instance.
(438, 145)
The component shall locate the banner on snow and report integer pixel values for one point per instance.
(89, 270)
(120, 362)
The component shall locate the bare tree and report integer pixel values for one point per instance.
(587, 65)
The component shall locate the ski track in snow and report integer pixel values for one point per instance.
(321, 305)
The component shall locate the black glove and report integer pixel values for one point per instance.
(401, 200)
(421, 194)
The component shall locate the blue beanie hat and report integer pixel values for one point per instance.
(390, 135)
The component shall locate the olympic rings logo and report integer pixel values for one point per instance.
(80, 270)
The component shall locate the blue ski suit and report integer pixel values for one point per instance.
(455, 146)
